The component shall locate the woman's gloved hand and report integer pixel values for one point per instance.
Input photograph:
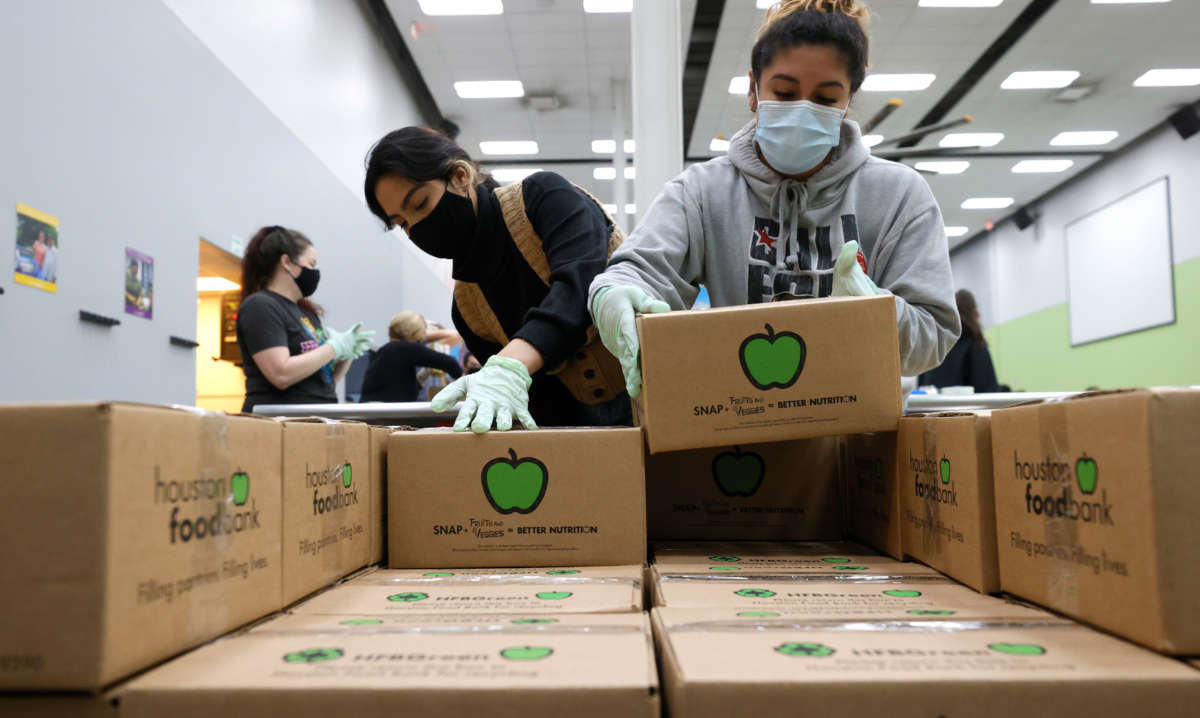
(613, 313)
(499, 391)
(849, 279)
(350, 344)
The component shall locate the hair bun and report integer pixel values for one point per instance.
(850, 8)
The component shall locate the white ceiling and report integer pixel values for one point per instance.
(552, 46)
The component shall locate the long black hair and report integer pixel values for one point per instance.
(837, 23)
(419, 154)
(262, 257)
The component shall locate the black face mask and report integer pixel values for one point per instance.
(307, 281)
(449, 230)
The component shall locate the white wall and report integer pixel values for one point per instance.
(1027, 270)
(124, 125)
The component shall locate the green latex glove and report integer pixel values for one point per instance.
(849, 279)
(613, 312)
(499, 391)
(350, 344)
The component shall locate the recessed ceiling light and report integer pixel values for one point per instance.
(718, 145)
(1042, 166)
(872, 140)
(612, 208)
(215, 284)
(461, 7)
(949, 167)
(509, 147)
(473, 90)
(1039, 79)
(956, 230)
(1178, 77)
(513, 174)
(971, 139)
(764, 4)
(959, 3)
(987, 203)
(897, 83)
(608, 173)
(1124, 2)
(607, 5)
(607, 147)
(739, 85)
(1078, 139)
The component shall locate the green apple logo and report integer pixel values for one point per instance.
(409, 597)
(944, 468)
(521, 621)
(240, 483)
(930, 612)
(724, 558)
(563, 572)
(553, 595)
(738, 473)
(902, 593)
(724, 568)
(347, 475)
(772, 361)
(836, 559)
(755, 593)
(313, 655)
(526, 653)
(361, 622)
(1018, 649)
(1086, 473)
(514, 486)
(849, 568)
(437, 574)
(758, 614)
(808, 650)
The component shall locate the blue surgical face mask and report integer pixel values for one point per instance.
(795, 137)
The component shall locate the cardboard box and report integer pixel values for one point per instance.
(874, 504)
(516, 498)
(388, 623)
(772, 557)
(769, 372)
(506, 670)
(1096, 509)
(483, 595)
(326, 503)
(780, 490)
(498, 575)
(753, 668)
(60, 705)
(949, 500)
(378, 448)
(130, 533)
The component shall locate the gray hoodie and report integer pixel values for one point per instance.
(749, 235)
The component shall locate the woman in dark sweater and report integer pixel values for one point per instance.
(392, 375)
(969, 362)
(523, 257)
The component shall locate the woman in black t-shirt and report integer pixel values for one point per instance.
(287, 355)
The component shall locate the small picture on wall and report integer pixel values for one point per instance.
(139, 284)
(36, 259)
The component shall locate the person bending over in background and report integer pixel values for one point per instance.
(287, 356)
(523, 256)
(969, 362)
(392, 375)
(799, 208)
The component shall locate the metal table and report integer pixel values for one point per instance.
(920, 403)
(415, 413)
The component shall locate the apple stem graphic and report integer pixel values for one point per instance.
(513, 454)
(770, 332)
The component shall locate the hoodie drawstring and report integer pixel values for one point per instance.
(789, 194)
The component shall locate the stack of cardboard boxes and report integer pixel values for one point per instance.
(517, 580)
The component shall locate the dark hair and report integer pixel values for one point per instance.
(967, 312)
(262, 257)
(838, 23)
(419, 154)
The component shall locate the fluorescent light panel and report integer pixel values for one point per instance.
(607, 5)
(987, 203)
(1178, 77)
(482, 89)
(739, 85)
(1042, 166)
(959, 3)
(215, 284)
(872, 140)
(956, 230)
(898, 83)
(608, 147)
(971, 139)
(610, 173)
(1039, 79)
(509, 147)
(612, 208)
(718, 145)
(1126, 2)
(513, 174)
(764, 4)
(461, 7)
(1083, 138)
(948, 167)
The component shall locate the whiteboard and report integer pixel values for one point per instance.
(1119, 268)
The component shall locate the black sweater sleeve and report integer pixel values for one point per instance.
(574, 233)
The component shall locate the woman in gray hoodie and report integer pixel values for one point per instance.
(798, 208)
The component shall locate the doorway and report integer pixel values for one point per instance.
(220, 385)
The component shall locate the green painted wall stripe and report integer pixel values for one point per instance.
(1034, 352)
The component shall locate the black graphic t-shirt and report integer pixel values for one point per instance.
(266, 319)
(806, 271)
